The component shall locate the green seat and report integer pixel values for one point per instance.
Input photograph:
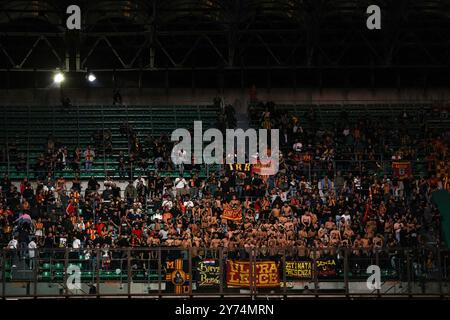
(46, 275)
(139, 275)
(153, 276)
(118, 276)
(105, 274)
(86, 274)
(58, 266)
(46, 266)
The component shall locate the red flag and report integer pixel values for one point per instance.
(70, 210)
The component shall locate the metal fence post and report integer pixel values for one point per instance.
(377, 262)
(346, 284)
(316, 280)
(66, 264)
(159, 271)
(445, 271)
(221, 271)
(283, 264)
(250, 276)
(190, 270)
(97, 252)
(408, 271)
(36, 271)
(439, 263)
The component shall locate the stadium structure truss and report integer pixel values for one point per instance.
(291, 42)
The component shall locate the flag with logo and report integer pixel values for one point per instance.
(401, 169)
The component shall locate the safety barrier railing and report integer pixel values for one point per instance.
(199, 272)
(308, 168)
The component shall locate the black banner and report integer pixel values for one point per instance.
(303, 268)
(208, 271)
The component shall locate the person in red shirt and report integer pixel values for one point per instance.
(99, 226)
(137, 232)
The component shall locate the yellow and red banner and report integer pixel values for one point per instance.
(232, 213)
(264, 275)
(265, 169)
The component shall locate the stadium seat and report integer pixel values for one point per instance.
(43, 120)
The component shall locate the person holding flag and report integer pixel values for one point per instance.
(71, 208)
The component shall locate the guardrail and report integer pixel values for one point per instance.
(200, 272)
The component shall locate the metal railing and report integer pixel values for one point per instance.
(199, 272)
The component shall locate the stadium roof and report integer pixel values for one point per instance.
(182, 35)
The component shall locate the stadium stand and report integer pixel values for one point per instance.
(368, 215)
(27, 130)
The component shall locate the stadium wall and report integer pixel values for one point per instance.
(179, 96)
(116, 289)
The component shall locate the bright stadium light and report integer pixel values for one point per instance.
(58, 77)
(91, 77)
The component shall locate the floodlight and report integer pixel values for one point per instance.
(58, 77)
(91, 77)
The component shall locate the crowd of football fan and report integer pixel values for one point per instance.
(305, 205)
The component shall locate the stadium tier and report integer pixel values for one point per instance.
(26, 132)
(394, 127)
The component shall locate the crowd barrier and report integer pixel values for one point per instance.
(244, 272)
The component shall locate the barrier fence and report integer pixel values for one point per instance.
(200, 272)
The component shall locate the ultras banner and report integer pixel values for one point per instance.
(266, 274)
